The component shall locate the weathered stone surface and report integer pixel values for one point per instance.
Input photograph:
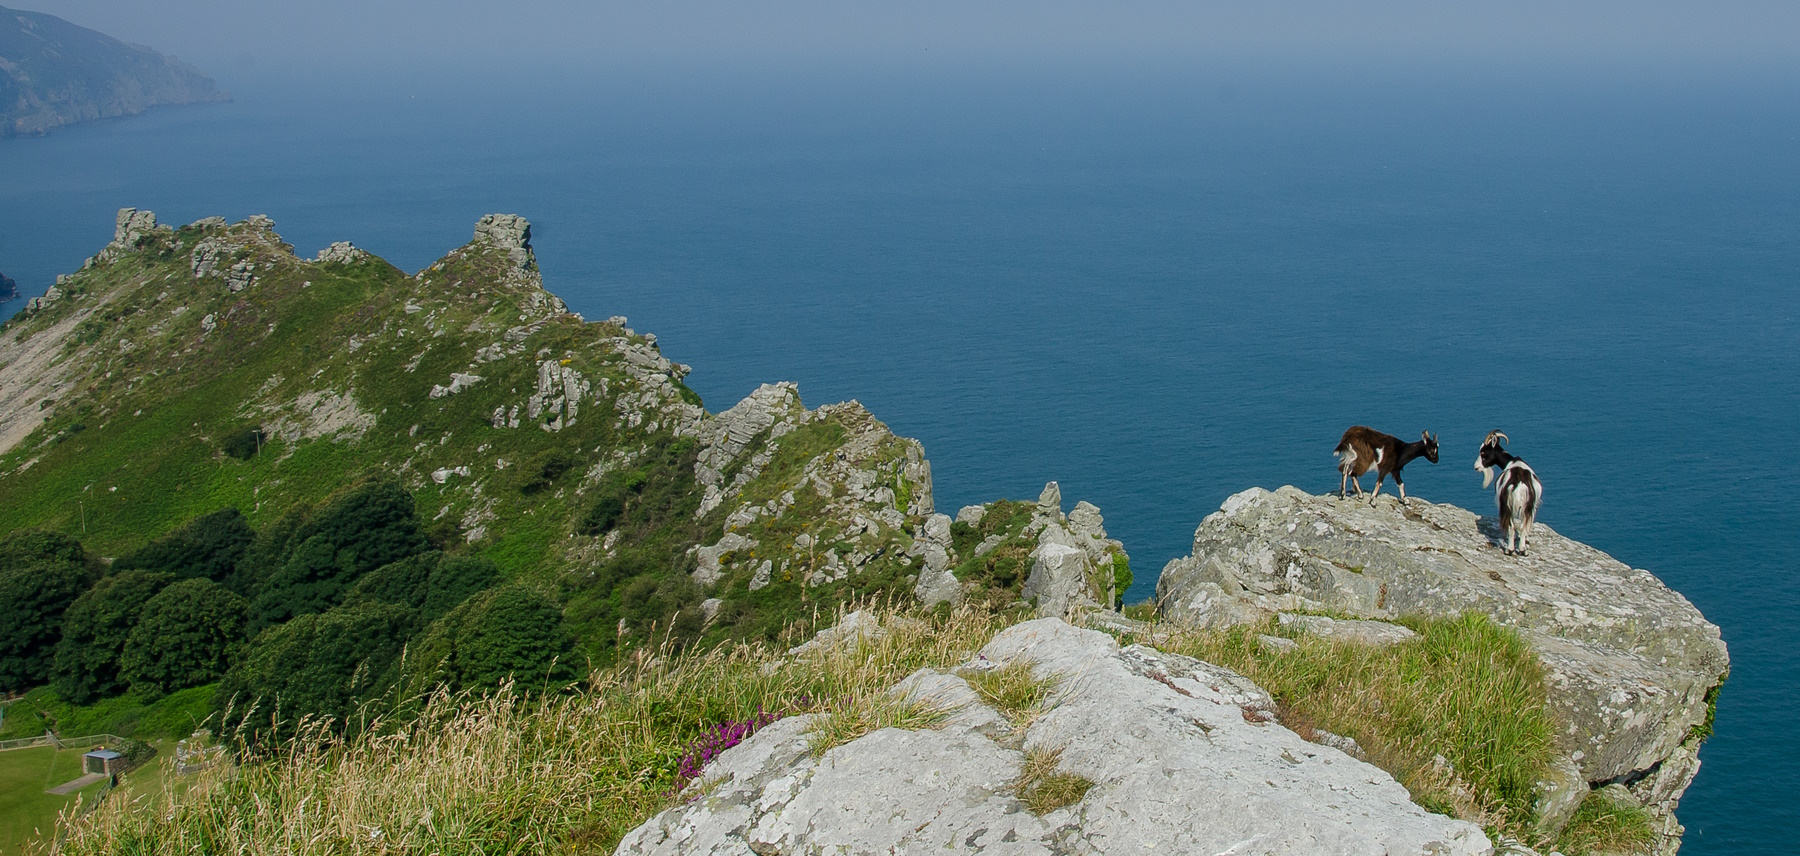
(1342, 630)
(851, 630)
(1184, 758)
(936, 582)
(1066, 575)
(341, 252)
(1629, 661)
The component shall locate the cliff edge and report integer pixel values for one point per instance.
(1632, 666)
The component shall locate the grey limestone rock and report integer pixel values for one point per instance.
(1184, 758)
(1628, 661)
(341, 252)
(936, 582)
(1342, 630)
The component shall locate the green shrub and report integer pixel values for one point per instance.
(183, 638)
(94, 633)
(432, 583)
(324, 664)
(245, 444)
(363, 529)
(209, 547)
(510, 632)
(540, 472)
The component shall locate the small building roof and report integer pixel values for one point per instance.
(103, 754)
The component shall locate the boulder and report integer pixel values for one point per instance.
(1183, 757)
(1628, 661)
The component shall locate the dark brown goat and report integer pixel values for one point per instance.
(1364, 449)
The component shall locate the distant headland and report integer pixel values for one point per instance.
(54, 73)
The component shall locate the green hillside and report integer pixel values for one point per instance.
(55, 73)
(318, 450)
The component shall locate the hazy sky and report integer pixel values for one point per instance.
(243, 37)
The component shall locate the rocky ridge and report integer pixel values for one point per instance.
(465, 379)
(1632, 665)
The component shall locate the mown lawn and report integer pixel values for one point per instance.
(25, 808)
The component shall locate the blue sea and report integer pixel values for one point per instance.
(1156, 286)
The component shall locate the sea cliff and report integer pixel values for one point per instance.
(54, 73)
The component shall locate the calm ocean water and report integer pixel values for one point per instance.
(1156, 288)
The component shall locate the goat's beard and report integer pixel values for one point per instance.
(1487, 474)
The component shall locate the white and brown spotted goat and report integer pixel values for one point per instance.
(1518, 492)
(1364, 449)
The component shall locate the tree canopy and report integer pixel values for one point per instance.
(41, 574)
(208, 546)
(319, 556)
(183, 639)
(323, 664)
(95, 630)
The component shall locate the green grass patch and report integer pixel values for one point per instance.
(1467, 689)
(26, 811)
(173, 716)
(1011, 690)
(1602, 825)
(1043, 788)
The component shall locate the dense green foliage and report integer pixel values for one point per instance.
(183, 638)
(95, 630)
(513, 632)
(651, 506)
(323, 664)
(316, 557)
(208, 547)
(431, 583)
(41, 575)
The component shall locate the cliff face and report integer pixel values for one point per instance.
(54, 73)
(1632, 665)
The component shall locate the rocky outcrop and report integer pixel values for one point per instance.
(1071, 566)
(54, 73)
(857, 496)
(1629, 662)
(9, 290)
(1182, 757)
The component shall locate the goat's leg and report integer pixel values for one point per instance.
(1378, 477)
(1401, 486)
(1343, 482)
